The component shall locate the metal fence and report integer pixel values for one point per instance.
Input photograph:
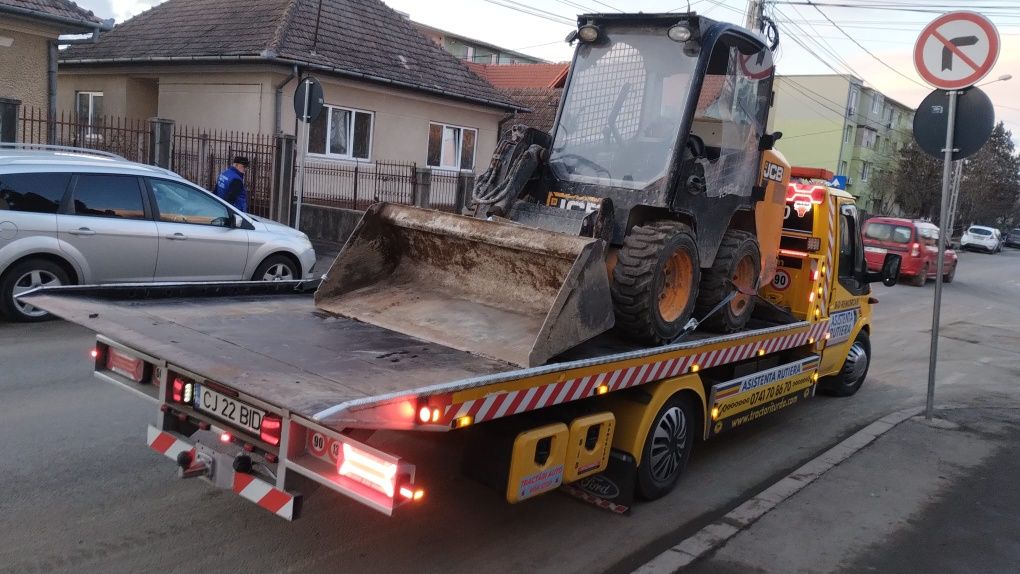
(358, 185)
(200, 156)
(125, 137)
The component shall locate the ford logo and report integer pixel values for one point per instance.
(600, 486)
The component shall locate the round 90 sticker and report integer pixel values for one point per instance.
(781, 281)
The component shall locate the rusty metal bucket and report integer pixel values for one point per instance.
(493, 288)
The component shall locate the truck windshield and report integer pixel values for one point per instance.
(623, 109)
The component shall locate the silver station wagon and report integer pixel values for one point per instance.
(72, 216)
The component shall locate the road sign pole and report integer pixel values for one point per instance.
(303, 147)
(947, 169)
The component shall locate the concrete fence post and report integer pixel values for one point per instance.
(161, 139)
(421, 193)
(281, 203)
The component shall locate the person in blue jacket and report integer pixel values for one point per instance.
(230, 184)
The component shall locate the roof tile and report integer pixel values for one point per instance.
(360, 38)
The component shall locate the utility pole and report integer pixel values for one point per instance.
(755, 11)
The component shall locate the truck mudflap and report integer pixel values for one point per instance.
(199, 460)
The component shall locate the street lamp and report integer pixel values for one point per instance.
(1002, 78)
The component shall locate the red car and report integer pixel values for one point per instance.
(915, 241)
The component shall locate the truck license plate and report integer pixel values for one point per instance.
(228, 409)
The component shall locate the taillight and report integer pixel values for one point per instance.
(363, 467)
(915, 250)
(125, 366)
(269, 432)
(182, 390)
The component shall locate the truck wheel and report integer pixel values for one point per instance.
(667, 448)
(655, 281)
(26, 276)
(855, 370)
(738, 262)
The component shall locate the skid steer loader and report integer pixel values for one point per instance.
(657, 197)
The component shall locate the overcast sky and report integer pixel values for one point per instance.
(888, 35)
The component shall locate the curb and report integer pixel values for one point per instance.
(719, 532)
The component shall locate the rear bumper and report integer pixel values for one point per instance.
(216, 465)
(989, 247)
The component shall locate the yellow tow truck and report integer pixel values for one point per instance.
(256, 391)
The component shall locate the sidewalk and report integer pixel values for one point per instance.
(919, 499)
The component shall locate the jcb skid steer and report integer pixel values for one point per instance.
(656, 197)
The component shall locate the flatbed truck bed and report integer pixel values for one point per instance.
(260, 392)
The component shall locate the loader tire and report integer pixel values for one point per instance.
(655, 282)
(738, 261)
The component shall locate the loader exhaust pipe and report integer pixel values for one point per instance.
(494, 288)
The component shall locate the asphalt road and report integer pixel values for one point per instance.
(83, 493)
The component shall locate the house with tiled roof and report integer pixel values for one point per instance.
(537, 87)
(28, 33)
(390, 93)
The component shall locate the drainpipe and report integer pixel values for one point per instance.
(51, 96)
(278, 104)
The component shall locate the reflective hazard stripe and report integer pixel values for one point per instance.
(505, 403)
(263, 494)
(167, 444)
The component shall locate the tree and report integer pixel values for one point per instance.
(990, 188)
(914, 183)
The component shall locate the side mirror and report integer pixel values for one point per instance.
(236, 221)
(890, 272)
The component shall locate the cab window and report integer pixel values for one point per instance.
(851, 252)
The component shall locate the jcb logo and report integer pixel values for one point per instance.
(572, 202)
(773, 172)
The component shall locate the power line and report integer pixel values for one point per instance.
(861, 46)
(531, 11)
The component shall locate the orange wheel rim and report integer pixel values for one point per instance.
(676, 285)
(743, 279)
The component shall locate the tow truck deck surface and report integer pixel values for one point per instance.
(269, 341)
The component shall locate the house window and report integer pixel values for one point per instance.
(842, 168)
(851, 107)
(868, 138)
(451, 147)
(876, 103)
(89, 107)
(342, 132)
(865, 170)
(849, 134)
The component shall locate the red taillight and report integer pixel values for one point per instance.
(269, 432)
(915, 250)
(95, 353)
(124, 365)
(367, 469)
(182, 390)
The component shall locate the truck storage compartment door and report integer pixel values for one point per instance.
(494, 288)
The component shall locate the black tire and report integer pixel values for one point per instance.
(736, 247)
(921, 278)
(948, 277)
(854, 371)
(667, 448)
(277, 268)
(25, 275)
(639, 286)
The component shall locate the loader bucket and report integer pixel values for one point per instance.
(493, 288)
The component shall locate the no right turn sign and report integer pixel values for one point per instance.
(956, 50)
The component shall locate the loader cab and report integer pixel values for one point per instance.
(661, 105)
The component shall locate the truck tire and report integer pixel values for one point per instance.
(27, 275)
(737, 262)
(655, 282)
(855, 369)
(667, 448)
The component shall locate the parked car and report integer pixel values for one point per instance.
(1012, 238)
(82, 217)
(915, 241)
(981, 238)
